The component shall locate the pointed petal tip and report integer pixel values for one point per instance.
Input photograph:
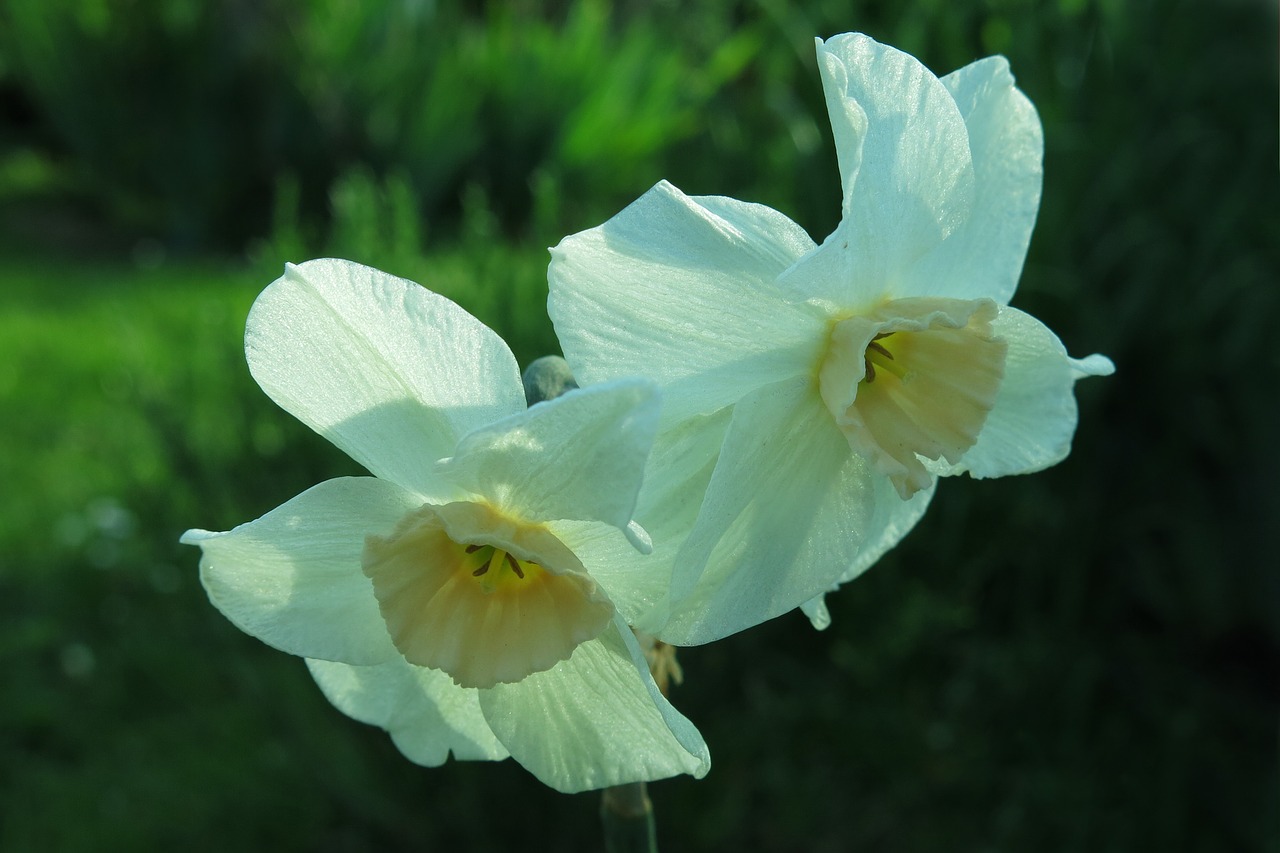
(294, 272)
(195, 536)
(816, 610)
(1094, 365)
(835, 41)
(639, 538)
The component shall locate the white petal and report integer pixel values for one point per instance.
(426, 714)
(595, 720)
(848, 119)
(579, 456)
(789, 513)
(679, 469)
(636, 583)
(1034, 418)
(388, 371)
(905, 166)
(983, 257)
(680, 290)
(292, 578)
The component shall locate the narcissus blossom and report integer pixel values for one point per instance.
(812, 394)
(451, 598)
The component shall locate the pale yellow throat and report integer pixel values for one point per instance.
(913, 378)
(484, 597)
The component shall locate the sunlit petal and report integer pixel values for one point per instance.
(390, 372)
(677, 290)
(580, 456)
(983, 257)
(910, 183)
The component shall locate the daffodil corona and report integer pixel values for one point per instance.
(486, 598)
(914, 378)
(812, 394)
(452, 598)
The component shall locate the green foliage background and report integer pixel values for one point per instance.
(1084, 659)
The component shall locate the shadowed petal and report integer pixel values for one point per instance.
(1034, 417)
(595, 720)
(789, 513)
(426, 714)
(292, 578)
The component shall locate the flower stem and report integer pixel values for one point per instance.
(627, 815)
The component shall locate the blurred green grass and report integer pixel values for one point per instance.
(1084, 659)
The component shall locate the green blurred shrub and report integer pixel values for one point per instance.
(493, 99)
(1079, 660)
(179, 117)
(170, 114)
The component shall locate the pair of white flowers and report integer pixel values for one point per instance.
(481, 593)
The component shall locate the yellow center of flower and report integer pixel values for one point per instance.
(913, 378)
(879, 354)
(484, 597)
(497, 568)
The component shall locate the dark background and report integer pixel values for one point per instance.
(1083, 659)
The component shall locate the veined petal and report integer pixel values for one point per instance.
(911, 183)
(426, 714)
(390, 372)
(680, 290)
(893, 519)
(1034, 417)
(983, 257)
(579, 456)
(595, 720)
(848, 120)
(790, 512)
(292, 578)
(680, 468)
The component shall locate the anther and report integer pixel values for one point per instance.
(879, 348)
(515, 565)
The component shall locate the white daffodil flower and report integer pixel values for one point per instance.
(451, 597)
(812, 394)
